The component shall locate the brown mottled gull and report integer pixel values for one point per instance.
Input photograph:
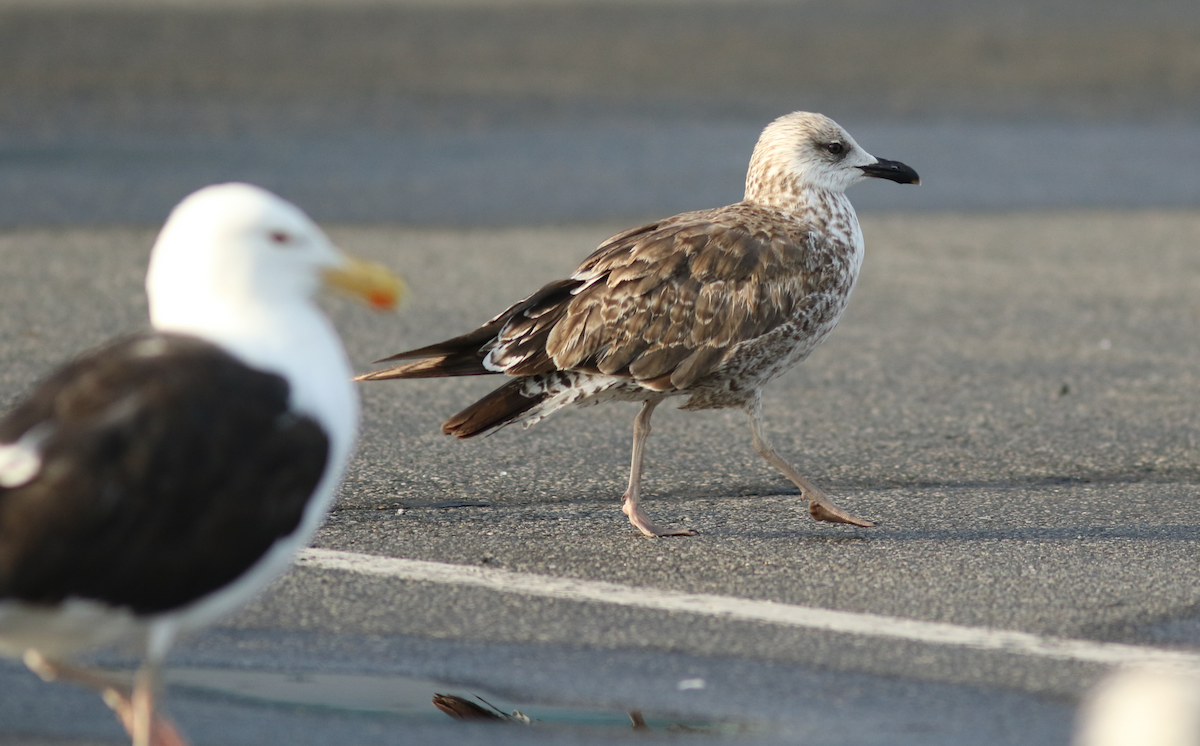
(711, 305)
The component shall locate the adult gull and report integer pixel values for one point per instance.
(156, 483)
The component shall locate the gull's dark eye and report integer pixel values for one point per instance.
(280, 237)
(835, 148)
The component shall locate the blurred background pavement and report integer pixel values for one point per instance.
(512, 113)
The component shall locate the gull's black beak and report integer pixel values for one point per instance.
(892, 171)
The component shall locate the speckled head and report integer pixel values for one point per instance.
(805, 151)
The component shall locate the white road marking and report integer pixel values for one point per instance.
(788, 615)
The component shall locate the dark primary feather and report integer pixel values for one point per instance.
(663, 304)
(463, 355)
(164, 477)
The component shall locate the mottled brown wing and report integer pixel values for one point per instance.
(665, 303)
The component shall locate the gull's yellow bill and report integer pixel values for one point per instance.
(373, 283)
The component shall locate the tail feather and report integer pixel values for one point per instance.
(462, 364)
(503, 406)
(465, 343)
(463, 355)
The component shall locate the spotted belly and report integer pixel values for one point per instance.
(755, 363)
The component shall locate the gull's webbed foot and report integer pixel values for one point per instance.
(642, 522)
(824, 509)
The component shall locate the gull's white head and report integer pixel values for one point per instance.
(804, 151)
(231, 248)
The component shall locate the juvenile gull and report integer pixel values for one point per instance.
(160, 481)
(711, 305)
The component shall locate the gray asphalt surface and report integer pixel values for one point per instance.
(1011, 394)
(1011, 397)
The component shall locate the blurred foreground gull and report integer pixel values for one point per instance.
(1142, 706)
(150, 486)
(711, 305)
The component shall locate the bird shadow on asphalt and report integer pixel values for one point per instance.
(1176, 475)
(1158, 533)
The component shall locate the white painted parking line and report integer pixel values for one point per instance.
(788, 615)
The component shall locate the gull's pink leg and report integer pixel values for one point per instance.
(134, 706)
(641, 430)
(819, 504)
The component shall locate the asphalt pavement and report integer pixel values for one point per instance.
(1011, 394)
